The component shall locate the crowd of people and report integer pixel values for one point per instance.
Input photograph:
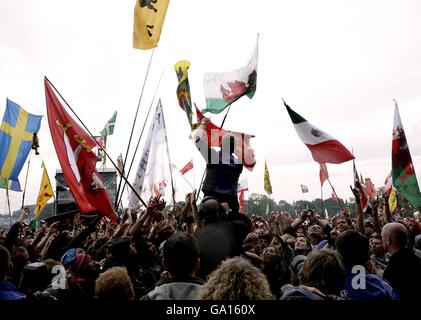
(213, 252)
(208, 250)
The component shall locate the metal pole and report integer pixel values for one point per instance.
(26, 180)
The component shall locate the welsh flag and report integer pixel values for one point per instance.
(323, 147)
(214, 134)
(403, 173)
(222, 89)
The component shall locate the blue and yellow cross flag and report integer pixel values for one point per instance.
(16, 134)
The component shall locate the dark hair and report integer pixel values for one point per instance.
(323, 270)
(181, 252)
(210, 214)
(353, 247)
(4, 262)
(35, 277)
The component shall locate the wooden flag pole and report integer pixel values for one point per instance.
(133, 126)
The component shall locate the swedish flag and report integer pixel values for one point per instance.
(16, 133)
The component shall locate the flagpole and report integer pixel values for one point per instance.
(141, 134)
(106, 153)
(169, 159)
(333, 189)
(183, 177)
(26, 179)
(8, 203)
(104, 160)
(133, 126)
(321, 195)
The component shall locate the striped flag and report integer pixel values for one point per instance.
(388, 183)
(109, 126)
(323, 147)
(358, 185)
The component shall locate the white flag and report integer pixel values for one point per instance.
(153, 175)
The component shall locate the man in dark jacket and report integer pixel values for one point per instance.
(359, 284)
(7, 290)
(181, 260)
(221, 236)
(404, 268)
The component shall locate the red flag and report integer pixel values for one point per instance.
(323, 174)
(242, 150)
(334, 197)
(77, 159)
(187, 167)
(358, 185)
(371, 190)
(388, 183)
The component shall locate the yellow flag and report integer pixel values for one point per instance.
(393, 202)
(149, 18)
(268, 186)
(45, 192)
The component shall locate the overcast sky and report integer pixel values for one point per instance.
(337, 63)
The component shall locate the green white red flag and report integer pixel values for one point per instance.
(224, 88)
(323, 147)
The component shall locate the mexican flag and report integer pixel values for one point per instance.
(403, 173)
(222, 89)
(323, 147)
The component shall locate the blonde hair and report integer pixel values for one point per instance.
(114, 284)
(235, 279)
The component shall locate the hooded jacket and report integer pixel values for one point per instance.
(175, 289)
(374, 288)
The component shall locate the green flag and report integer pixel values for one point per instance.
(403, 173)
(109, 126)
